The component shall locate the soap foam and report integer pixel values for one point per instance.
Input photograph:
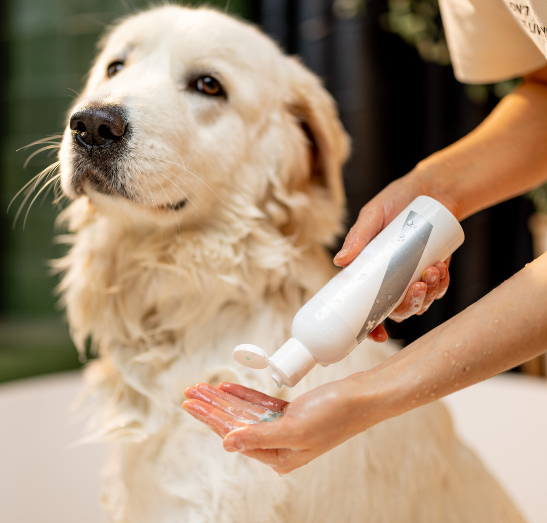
(269, 415)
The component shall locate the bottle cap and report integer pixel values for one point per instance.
(290, 363)
(250, 356)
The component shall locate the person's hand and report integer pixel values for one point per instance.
(306, 428)
(373, 218)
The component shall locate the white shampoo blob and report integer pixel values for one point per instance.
(342, 314)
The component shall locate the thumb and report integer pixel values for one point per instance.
(369, 223)
(258, 436)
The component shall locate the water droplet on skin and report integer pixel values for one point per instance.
(496, 321)
(457, 345)
(453, 362)
(446, 354)
(489, 352)
(466, 369)
(432, 394)
(363, 276)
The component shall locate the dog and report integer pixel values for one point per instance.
(204, 167)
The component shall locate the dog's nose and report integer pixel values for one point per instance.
(98, 126)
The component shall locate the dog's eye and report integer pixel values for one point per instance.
(208, 85)
(114, 68)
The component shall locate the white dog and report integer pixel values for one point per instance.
(205, 168)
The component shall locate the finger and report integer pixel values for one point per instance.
(219, 421)
(445, 279)
(431, 277)
(369, 223)
(254, 397)
(412, 302)
(197, 393)
(229, 398)
(379, 334)
(272, 435)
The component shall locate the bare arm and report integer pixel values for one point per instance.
(503, 157)
(504, 329)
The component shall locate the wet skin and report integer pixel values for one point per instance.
(504, 329)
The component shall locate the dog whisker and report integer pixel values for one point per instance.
(50, 187)
(32, 155)
(191, 171)
(126, 6)
(31, 186)
(196, 175)
(58, 192)
(52, 180)
(47, 139)
(39, 175)
(172, 207)
(178, 188)
(151, 195)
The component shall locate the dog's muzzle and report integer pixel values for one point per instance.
(99, 133)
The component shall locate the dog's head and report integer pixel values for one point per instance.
(190, 116)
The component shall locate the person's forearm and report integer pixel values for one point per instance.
(502, 330)
(503, 157)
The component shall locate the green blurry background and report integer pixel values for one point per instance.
(46, 47)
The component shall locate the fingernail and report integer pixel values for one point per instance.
(431, 278)
(235, 445)
(343, 252)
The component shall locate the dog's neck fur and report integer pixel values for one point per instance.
(180, 300)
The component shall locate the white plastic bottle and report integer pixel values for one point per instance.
(341, 315)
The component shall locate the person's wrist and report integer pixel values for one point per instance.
(367, 398)
(427, 178)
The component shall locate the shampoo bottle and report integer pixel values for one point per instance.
(342, 314)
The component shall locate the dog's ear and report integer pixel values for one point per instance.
(316, 113)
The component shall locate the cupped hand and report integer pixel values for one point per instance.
(283, 435)
(373, 218)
